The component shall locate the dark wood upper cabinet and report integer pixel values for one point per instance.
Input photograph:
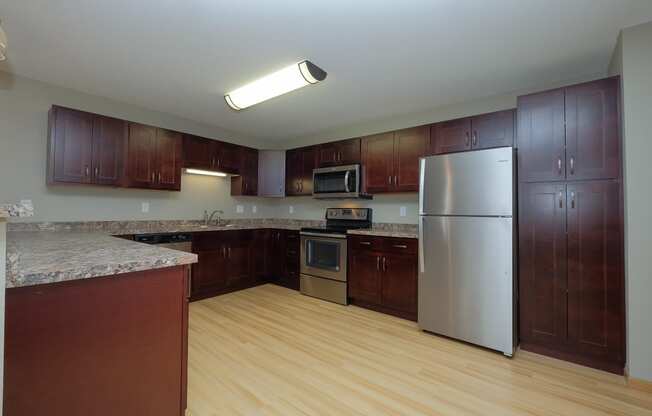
(390, 161)
(141, 156)
(85, 148)
(154, 158)
(70, 146)
(409, 146)
(595, 270)
(493, 130)
(542, 259)
(109, 135)
(378, 163)
(450, 136)
(247, 182)
(227, 157)
(593, 130)
(169, 160)
(541, 137)
(343, 152)
(197, 152)
(299, 164)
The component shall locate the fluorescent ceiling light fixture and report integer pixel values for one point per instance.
(206, 172)
(281, 82)
(3, 44)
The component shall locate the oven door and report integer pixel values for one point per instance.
(324, 256)
(336, 182)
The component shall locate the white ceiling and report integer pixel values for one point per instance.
(382, 57)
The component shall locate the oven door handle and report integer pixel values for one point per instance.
(346, 181)
(309, 234)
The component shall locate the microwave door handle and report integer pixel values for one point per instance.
(346, 181)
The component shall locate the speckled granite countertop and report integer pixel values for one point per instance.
(35, 258)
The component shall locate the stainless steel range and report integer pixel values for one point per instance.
(324, 253)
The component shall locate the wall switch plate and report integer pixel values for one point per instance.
(291, 209)
(403, 211)
(254, 209)
(144, 207)
(239, 209)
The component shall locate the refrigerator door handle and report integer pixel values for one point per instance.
(422, 176)
(420, 243)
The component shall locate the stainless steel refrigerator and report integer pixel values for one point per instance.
(466, 240)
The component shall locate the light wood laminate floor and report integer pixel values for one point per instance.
(271, 351)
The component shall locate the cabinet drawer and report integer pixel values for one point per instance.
(400, 245)
(365, 243)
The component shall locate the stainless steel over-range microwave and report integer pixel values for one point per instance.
(337, 182)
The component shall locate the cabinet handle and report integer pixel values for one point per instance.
(384, 263)
(475, 138)
(573, 200)
(395, 180)
(389, 180)
(213, 162)
(572, 165)
(159, 177)
(559, 165)
(561, 200)
(229, 251)
(378, 263)
(467, 138)
(399, 246)
(153, 177)
(365, 243)
(86, 170)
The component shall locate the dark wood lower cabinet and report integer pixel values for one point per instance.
(284, 251)
(383, 274)
(106, 346)
(571, 272)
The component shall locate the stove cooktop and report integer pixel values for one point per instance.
(330, 230)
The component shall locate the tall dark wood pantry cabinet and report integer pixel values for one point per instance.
(571, 225)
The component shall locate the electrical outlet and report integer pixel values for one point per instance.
(291, 209)
(403, 211)
(144, 207)
(239, 209)
(254, 209)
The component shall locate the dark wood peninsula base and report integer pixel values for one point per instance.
(106, 346)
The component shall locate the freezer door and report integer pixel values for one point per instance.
(478, 183)
(466, 282)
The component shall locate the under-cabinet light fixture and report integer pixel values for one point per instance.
(206, 172)
(280, 82)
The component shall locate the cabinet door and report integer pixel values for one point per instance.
(595, 270)
(409, 146)
(349, 151)
(210, 270)
(228, 157)
(307, 166)
(197, 152)
(451, 136)
(247, 182)
(70, 146)
(261, 254)
(493, 130)
(541, 137)
(593, 130)
(399, 282)
(238, 255)
(542, 262)
(378, 163)
(365, 276)
(327, 154)
(277, 254)
(293, 162)
(109, 136)
(168, 159)
(141, 156)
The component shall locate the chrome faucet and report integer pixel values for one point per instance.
(209, 218)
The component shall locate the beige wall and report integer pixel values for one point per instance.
(24, 106)
(633, 60)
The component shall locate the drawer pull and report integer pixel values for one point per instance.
(399, 246)
(365, 243)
